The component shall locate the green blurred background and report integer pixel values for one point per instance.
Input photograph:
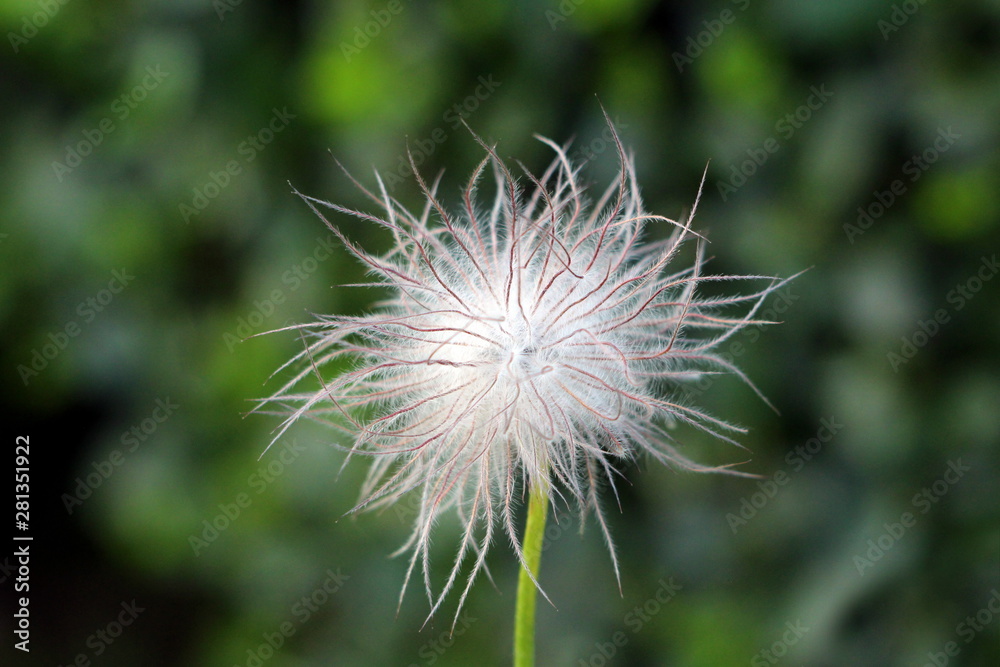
(158, 140)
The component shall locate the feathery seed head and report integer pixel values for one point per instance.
(531, 341)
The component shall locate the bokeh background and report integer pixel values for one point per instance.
(147, 224)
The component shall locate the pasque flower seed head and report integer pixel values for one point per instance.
(532, 340)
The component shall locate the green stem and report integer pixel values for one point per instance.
(524, 618)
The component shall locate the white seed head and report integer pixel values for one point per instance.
(532, 341)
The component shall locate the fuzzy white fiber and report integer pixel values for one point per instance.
(534, 340)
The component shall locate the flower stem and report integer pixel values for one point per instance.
(524, 618)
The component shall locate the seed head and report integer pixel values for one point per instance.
(535, 340)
